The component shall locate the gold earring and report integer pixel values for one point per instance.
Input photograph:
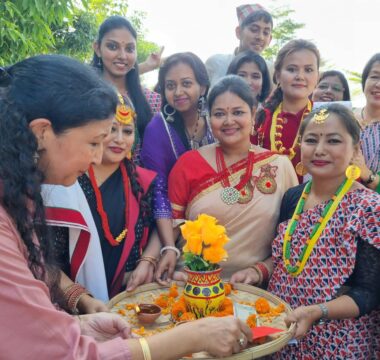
(353, 172)
(301, 169)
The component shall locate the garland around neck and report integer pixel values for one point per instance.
(99, 206)
(318, 228)
(276, 131)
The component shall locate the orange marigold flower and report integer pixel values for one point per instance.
(173, 291)
(227, 288)
(162, 301)
(214, 254)
(279, 309)
(227, 306)
(262, 306)
(187, 316)
(178, 309)
(252, 321)
(122, 312)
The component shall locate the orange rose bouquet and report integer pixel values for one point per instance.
(205, 241)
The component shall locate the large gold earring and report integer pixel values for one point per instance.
(301, 169)
(353, 172)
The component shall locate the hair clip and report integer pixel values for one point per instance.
(321, 116)
(5, 77)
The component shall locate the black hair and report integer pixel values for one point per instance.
(276, 97)
(257, 16)
(132, 78)
(235, 85)
(346, 116)
(249, 56)
(68, 94)
(201, 76)
(367, 68)
(343, 80)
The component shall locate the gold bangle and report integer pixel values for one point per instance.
(145, 349)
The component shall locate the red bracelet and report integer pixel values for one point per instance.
(72, 295)
(264, 271)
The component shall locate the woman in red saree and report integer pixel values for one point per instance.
(239, 184)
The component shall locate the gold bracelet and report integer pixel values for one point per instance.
(145, 349)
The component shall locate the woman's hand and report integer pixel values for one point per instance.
(246, 276)
(143, 274)
(90, 305)
(304, 317)
(152, 62)
(359, 161)
(165, 268)
(104, 326)
(229, 335)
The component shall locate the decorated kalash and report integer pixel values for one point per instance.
(204, 293)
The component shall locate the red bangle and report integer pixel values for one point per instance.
(264, 271)
(72, 295)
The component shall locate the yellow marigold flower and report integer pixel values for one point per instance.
(213, 234)
(205, 219)
(191, 228)
(193, 244)
(214, 254)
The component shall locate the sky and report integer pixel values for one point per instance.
(346, 32)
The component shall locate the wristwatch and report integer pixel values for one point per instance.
(325, 314)
(371, 178)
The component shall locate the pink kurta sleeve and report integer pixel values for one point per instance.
(31, 327)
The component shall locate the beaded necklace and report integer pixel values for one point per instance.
(230, 194)
(352, 173)
(100, 209)
(276, 132)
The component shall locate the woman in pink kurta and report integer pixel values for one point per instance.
(55, 114)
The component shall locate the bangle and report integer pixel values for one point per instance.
(264, 271)
(72, 295)
(145, 349)
(325, 314)
(178, 253)
(258, 273)
(150, 259)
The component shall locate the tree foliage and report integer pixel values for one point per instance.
(66, 26)
(284, 30)
(26, 26)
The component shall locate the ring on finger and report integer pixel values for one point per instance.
(241, 340)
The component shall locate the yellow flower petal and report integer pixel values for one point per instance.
(214, 254)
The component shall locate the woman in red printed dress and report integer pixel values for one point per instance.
(329, 273)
